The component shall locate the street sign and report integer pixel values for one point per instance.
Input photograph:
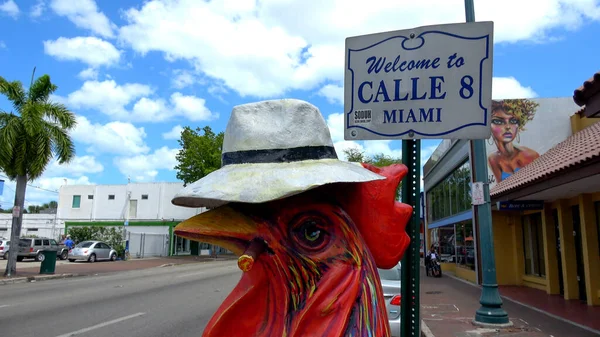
(425, 82)
(16, 211)
(524, 205)
(477, 193)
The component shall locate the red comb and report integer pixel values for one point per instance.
(381, 219)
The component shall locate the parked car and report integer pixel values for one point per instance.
(33, 247)
(4, 246)
(92, 251)
(390, 282)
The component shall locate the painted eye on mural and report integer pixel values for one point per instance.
(514, 121)
(309, 232)
(497, 121)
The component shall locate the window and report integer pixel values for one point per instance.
(76, 201)
(46, 242)
(37, 242)
(90, 197)
(144, 196)
(53, 242)
(533, 245)
(451, 195)
(32, 229)
(111, 197)
(465, 245)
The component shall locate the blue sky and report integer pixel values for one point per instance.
(136, 71)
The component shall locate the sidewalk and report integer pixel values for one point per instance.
(448, 307)
(71, 269)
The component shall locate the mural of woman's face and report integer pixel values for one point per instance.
(504, 126)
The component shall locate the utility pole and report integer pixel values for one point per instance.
(490, 313)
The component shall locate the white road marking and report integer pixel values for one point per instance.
(4, 306)
(101, 325)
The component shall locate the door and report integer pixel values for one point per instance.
(579, 252)
(101, 250)
(561, 282)
(133, 208)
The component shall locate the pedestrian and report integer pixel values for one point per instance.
(69, 243)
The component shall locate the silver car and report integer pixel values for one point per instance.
(4, 246)
(92, 251)
(390, 282)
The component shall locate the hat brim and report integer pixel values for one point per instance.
(258, 183)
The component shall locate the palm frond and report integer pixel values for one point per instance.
(58, 113)
(14, 92)
(10, 128)
(62, 144)
(41, 148)
(41, 89)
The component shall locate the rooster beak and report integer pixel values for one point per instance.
(222, 226)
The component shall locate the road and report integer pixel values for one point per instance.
(170, 301)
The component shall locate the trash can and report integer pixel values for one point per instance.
(48, 265)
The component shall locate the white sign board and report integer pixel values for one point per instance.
(477, 193)
(16, 211)
(425, 82)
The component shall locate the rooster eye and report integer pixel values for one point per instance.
(309, 234)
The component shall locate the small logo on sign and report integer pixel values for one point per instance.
(362, 116)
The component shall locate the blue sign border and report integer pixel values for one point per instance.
(487, 56)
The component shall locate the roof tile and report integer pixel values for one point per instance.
(587, 90)
(579, 147)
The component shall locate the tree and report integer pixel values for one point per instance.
(200, 154)
(30, 136)
(379, 160)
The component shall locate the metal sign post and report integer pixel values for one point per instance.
(410, 321)
(425, 82)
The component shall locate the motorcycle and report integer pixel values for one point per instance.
(434, 268)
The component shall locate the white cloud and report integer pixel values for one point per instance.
(39, 191)
(78, 167)
(114, 137)
(85, 14)
(88, 74)
(107, 97)
(38, 9)
(268, 48)
(145, 167)
(509, 87)
(175, 133)
(182, 79)
(333, 93)
(192, 107)
(132, 102)
(10, 8)
(91, 50)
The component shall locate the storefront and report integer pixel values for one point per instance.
(449, 214)
(547, 217)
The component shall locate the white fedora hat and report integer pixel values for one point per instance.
(272, 150)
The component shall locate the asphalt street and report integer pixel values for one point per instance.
(169, 301)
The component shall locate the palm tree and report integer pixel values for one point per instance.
(30, 136)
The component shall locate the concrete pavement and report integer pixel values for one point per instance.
(171, 301)
(448, 307)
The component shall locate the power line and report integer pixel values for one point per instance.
(39, 188)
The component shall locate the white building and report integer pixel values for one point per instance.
(145, 208)
(135, 201)
(42, 225)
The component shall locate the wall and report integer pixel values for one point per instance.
(538, 130)
(157, 206)
(47, 225)
(503, 224)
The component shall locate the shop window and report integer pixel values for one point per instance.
(465, 245)
(451, 195)
(76, 201)
(533, 245)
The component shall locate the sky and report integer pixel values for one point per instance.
(136, 72)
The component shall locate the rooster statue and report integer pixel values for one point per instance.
(310, 230)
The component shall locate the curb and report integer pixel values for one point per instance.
(425, 330)
(36, 278)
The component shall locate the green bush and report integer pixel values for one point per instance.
(112, 235)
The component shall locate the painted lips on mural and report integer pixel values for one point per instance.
(306, 226)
